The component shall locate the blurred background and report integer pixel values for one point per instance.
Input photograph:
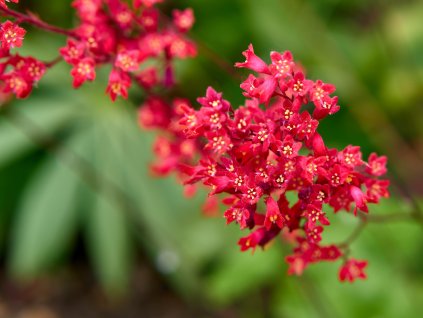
(114, 241)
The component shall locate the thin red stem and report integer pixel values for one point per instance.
(35, 21)
(52, 63)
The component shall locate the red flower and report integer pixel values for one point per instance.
(314, 215)
(214, 100)
(282, 64)
(31, 69)
(83, 71)
(181, 47)
(352, 269)
(119, 82)
(377, 165)
(239, 214)
(153, 113)
(320, 91)
(183, 20)
(273, 215)
(11, 35)
(73, 51)
(121, 14)
(359, 199)
(259, 237)
(16, 84)
(149, 19)
(261, 88)
(296, 264)
(297, 86)
(147, 78)
(252, 61)
(376, 189)
(128, 61)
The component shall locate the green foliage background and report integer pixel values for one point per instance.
(51, 201)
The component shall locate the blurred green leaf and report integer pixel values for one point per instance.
(105, 216)
(47, 219)
(109, 244)
(51, 114)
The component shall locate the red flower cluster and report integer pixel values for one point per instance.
(269, 148)
(17, 74)
(111, 32)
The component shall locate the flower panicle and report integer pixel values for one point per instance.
(270, 147)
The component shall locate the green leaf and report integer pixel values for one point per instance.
(107, 224)
(47, 115)
(47, 219)
(109, 244)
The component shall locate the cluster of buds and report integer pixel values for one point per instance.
(136, 40)
(267, 152)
